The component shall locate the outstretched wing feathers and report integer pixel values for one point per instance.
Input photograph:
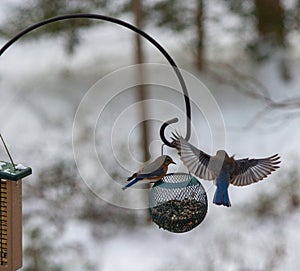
(194, 159)
(247, 171)
(250, 171)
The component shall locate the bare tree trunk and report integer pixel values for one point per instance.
(270, 17)
(270, 20)
(141, 89)
(200, 61)
(297, 17)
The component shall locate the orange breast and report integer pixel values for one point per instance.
(161, 175)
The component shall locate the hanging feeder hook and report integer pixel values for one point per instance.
(162, 131)
(187, 108)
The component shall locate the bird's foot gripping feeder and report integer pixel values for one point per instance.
(178, 202)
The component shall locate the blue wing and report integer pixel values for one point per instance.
(153, 175)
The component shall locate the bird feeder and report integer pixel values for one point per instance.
(178, 202)
(11, 213)
(182, 188)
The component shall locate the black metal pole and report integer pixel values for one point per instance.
(133, 28)
(7, 151)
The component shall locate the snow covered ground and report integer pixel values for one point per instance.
(39, 105)
(39, 131)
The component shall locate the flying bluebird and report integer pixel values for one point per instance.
(223, 169)
(151, 172)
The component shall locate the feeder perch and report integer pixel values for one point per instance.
(178, 202)
(11, 215)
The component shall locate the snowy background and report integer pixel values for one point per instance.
(77, 223)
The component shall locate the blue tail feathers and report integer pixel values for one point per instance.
(131, 183)
(221, 196)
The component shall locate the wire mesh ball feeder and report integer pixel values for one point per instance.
(178, 202)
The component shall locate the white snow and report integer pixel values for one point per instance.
(228, 239)
(20, 167)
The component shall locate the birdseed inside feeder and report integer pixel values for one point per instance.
(178, 202)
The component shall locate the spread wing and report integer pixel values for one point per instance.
(194, 159)
(250, 171)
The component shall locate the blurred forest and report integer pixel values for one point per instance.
(265, 26)
(263, 31)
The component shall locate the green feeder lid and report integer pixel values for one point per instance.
(9, 172)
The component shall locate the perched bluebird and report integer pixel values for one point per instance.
(222, 169)
(151, 172)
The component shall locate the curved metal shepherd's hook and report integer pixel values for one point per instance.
(138, 31)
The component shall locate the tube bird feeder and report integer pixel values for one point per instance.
(11, 213)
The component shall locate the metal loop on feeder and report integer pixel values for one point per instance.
(178, 202)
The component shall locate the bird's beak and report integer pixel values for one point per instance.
(173, 162)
